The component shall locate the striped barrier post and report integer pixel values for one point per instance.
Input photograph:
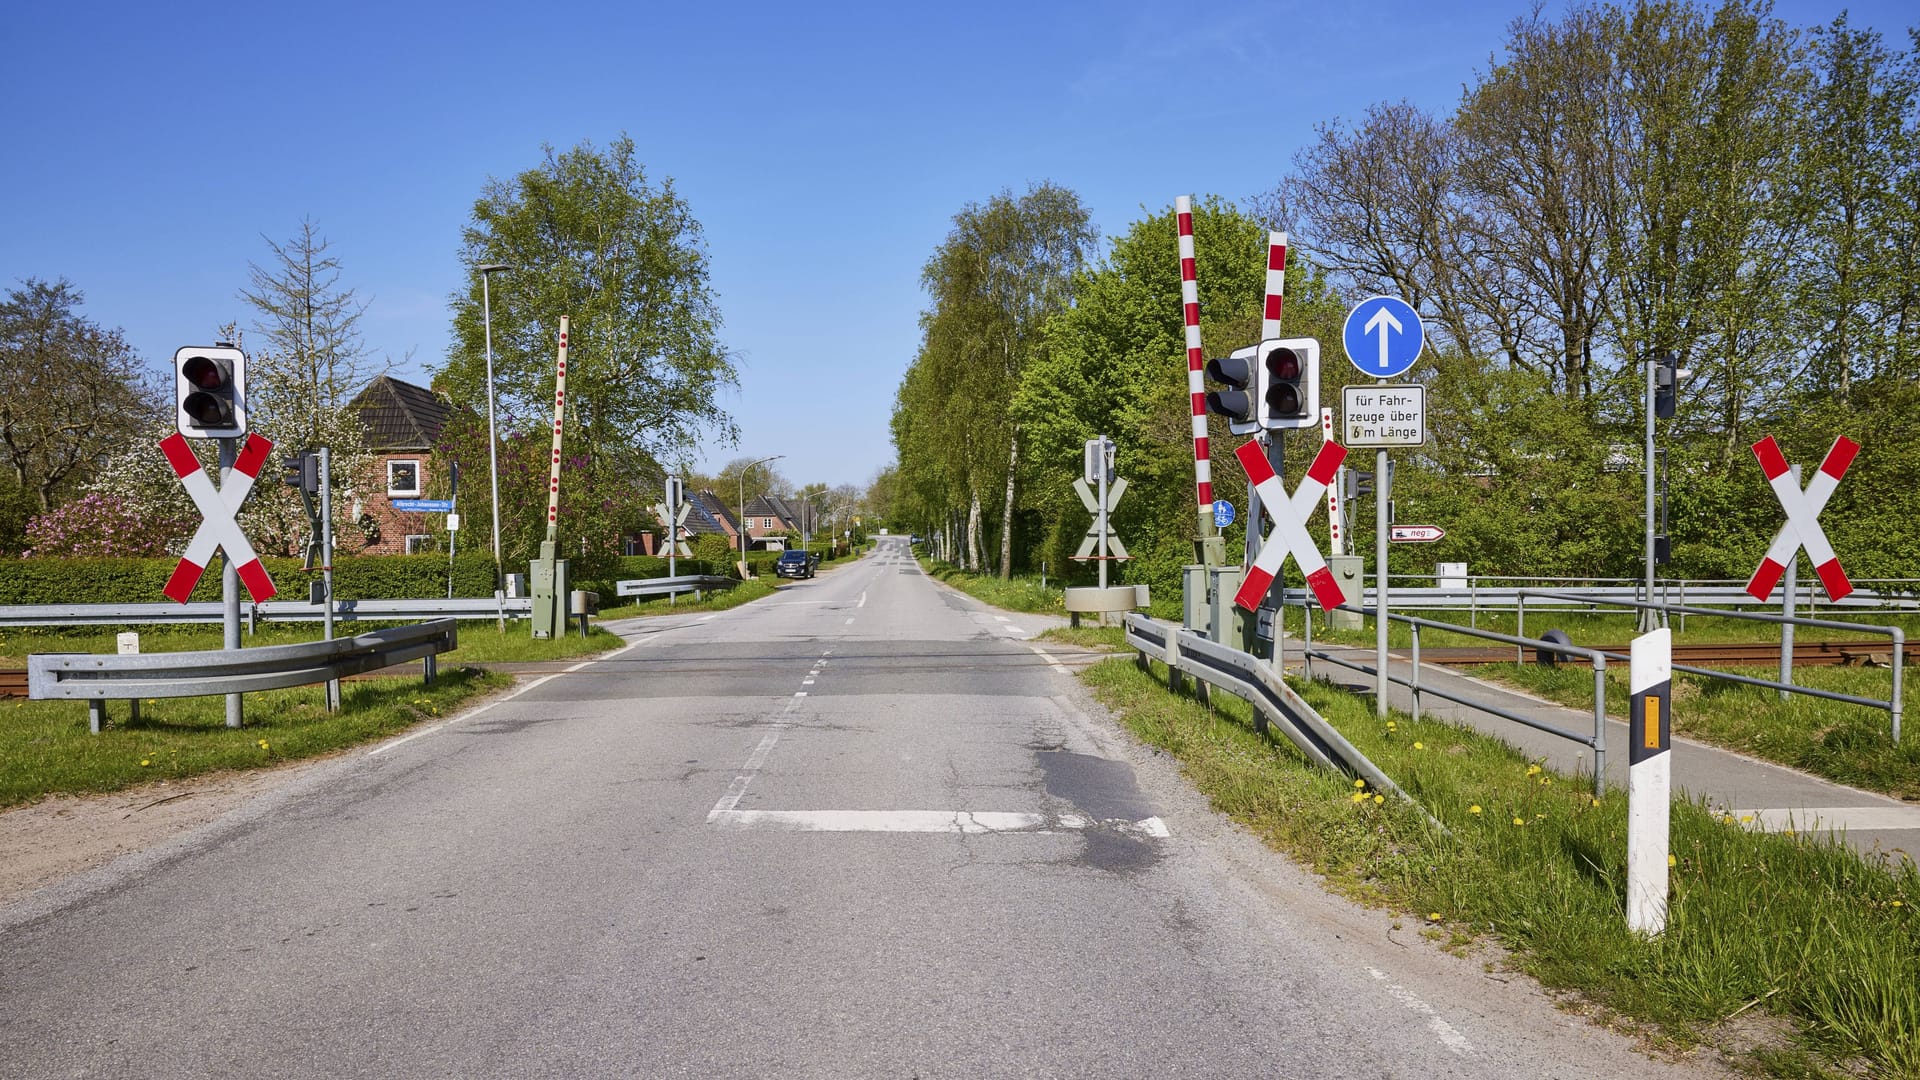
(1196, 365)
(1276, 299)
(1649, 780)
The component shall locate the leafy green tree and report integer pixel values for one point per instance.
(1004, 269)
(75, 392)
(590, 236)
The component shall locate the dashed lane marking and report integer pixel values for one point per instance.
(1448, 1035)
(969, 822)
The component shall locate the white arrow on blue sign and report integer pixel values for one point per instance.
(1222, 513)
(1383, 337)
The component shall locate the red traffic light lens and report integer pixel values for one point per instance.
(1284, 400)
(205, 372)
(1283, 364)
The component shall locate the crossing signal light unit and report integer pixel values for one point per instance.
(1238, 400)
(302, 472)
(210, 390)
(1666, 380)
(1289, 383)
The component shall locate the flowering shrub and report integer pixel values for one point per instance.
(97, 525)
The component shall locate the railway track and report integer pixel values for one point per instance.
(1732, 654)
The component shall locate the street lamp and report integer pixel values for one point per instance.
(487, 270)
(743, 507)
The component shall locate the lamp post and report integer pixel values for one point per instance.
(487, 270)
(743, 507)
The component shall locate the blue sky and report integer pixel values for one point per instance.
(824, 148)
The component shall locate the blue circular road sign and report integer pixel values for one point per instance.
(1222, 513)
(1383, 337)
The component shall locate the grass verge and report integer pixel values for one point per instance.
(1110, 638)
(716, 600)
(1848, 744)
(1018, 594)
(1796, 927)
(46, 749)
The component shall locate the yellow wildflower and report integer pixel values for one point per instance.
(1519, 821)
(1433, 916)
(1360, 781)
(1474, 809)
(1533, 770)
(1671, 861)
(144, 763)
(1378, 799)
(1419, 746)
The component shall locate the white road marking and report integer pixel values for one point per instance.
(970, 822)
(709, 618)
(806, 682)
(1047, 656)
(1002, 618)
(863, 601)
(1448, 1035)
(849, 620)
(1818, 818)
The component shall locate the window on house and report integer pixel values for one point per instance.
(419, 543)
(403, 478)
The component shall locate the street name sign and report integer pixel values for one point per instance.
(1383, 337)
(1384, 416)
(424, 506)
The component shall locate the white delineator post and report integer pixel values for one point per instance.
(1196, 365)
(1649, 780)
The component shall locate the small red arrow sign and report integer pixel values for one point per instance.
(1415, 534)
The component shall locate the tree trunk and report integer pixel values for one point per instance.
(1006, 516)
(973, 533)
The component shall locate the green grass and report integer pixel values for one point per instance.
(713, 600)
(1110, 638)
(1799, 927)
(45, 747)
(1848, 744)
(1018, 594)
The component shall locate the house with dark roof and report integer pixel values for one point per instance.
(402, 424)
(768, 519)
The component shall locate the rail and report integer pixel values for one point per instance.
(1275, 704)
(97, 678)
(1596, 741)
(1477, 594)
(1893, 703)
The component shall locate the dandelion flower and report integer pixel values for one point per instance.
(144, 763)
(1360, 781)
(1393, 725)
(1359, 797)
(1746, 819)
(1474, 809)
(1519, 821)
(1595, 800)
(1899, 903)
(1433, 916)
(1533, 770)
(1419, 746)
(263, 744)
(1789, 832)
(1378, 799)
(1671, 861)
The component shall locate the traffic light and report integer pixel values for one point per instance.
(210, 390)
(1666, 380)
(1289, 383)
(302, 471)
(1238, 401)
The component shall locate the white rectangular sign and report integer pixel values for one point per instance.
(1384, 415)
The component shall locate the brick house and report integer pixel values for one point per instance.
(402, 423)
(768, 518)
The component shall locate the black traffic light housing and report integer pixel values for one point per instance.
(210, 391)
(302, 471)
(1666, 380)
(1289, 383)
(1237, 400)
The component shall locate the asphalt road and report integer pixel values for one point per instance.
(862, 828)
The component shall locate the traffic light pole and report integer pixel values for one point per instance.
(230, 583)
(326, 562)
(1648, 619)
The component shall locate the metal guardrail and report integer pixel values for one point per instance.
(97, 678)
(1596, 741)
(672, 586)
(271, 611)
(1476, 597)
(1274, 703)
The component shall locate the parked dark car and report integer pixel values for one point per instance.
(794, 564)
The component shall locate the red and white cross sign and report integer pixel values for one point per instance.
(218, 507)
(1803, 512)
(1289, 535)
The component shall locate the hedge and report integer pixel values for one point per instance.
(133, 581)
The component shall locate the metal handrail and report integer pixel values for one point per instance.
(1597, 741)
(1893, 704)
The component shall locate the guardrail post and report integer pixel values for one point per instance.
(1306, 638)
(431, 663)
(1413, 684)
(1175, 681)
(1520, 625)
